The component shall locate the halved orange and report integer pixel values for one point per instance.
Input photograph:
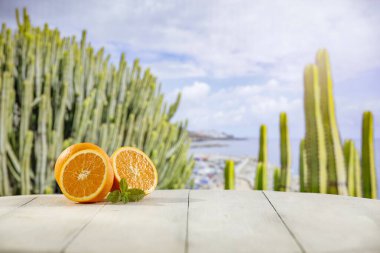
(84, 173)
(136, 167)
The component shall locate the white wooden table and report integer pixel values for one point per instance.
(192, 221)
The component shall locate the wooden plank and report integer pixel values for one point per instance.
(156, 224)
(330, 223)
(45, 224)
(235, 221)
(10, 203)
(218, 221)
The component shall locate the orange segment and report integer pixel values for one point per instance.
(84, 175)
(136, 167)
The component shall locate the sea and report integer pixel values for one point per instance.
(250, 147)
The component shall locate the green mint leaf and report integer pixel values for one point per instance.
(135, 194)
(124, 197)
(114, 196)
(123, 185)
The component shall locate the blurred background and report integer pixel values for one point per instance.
(238, 65)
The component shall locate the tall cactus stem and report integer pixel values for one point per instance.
(358, 175)
(315, 138)
(303, 177)
(349, 155)
(368, 158)
(263, 151)
(25, 172)
(285, 153)
(5, 86)
(335, 158)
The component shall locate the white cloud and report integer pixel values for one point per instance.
(237, 107)
(196, 91)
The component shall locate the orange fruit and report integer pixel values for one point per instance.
(84, 173)
(136, 167)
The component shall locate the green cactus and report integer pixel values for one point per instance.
(263, 151)
(314, 141)
(229, 175)
(56, 91)
(349, 155)
(369, 180)
(5, 85)
(357, 175)
(261, 171)
(261, 179)
(285, 154)
(25, 164)
(173, 108)
(276, 179)
(354, 172)
(336, 171)
(303, 177)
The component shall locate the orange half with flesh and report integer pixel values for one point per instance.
(136, 167)
(84, 173)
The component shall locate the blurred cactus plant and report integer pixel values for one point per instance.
(303, 177)
(329, 167)
(369, 180)
(315, 147)
(276, 179)
(261, 178)
(261, 170)
(349, 155)
(229, 175)
(354, 177)
(56, 91)
(357, 174)
(336, 171)
(285, 154)
(263, 151)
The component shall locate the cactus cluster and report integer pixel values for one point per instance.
(327, 166)
(261, 177)
(56, 91)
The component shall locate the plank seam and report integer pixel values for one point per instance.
(286, 226)
(17, 207)
(187, 224)
(81, 229)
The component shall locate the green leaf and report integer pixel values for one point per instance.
(126, 194)
(135, 194)
(124, 197)
(114, 196)
(123, 185)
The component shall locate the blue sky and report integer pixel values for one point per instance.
(238, 63)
